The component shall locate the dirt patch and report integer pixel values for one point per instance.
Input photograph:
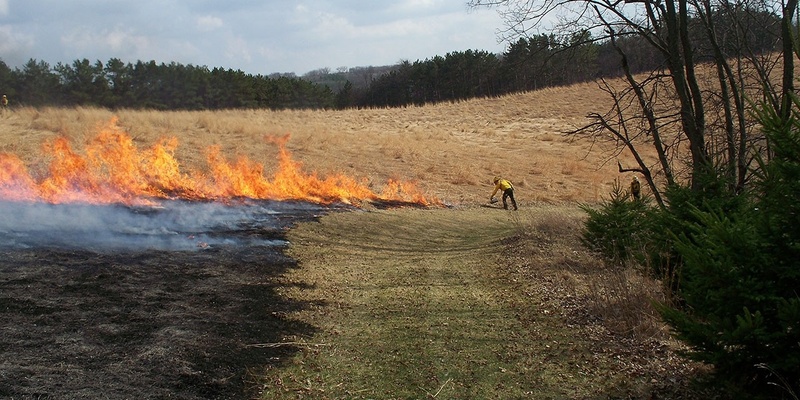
(153, 324)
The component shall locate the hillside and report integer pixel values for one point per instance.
(451, 150)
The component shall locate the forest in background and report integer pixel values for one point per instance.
(534, 62)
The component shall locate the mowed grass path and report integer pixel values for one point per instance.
(415, 304)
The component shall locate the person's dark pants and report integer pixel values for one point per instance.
(509, 193)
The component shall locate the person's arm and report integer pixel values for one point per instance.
(496, 188)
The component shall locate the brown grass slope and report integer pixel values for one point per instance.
(452, 150)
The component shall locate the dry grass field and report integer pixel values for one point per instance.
(450, 150)
(465, 301)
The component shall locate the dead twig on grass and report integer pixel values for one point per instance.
(434, 395)
(273, 345)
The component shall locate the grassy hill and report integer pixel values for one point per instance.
(451, 150)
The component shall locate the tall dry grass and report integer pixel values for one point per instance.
(452, 150)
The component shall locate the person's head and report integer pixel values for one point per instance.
(635, 178)
(496, 179)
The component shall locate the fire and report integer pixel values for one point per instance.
(113, 170)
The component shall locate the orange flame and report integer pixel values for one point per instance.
(113, 170)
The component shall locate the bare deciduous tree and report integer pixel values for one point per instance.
(698, 125)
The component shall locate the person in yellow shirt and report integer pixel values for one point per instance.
(508, 192)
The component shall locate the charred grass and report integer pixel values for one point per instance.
(153, 324)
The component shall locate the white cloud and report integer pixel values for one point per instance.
(238, 50)
(420, 3)
(127, 46)
(4, 7)
(117, 40)
(416, 5)
(15, 48)
(328, 25)
(209, 23)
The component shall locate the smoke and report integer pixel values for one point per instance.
(168, 226)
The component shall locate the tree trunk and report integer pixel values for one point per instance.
(681, 66)
(787, 35)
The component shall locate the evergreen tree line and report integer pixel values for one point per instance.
(155, 86)
(531, 63)
(547, 60)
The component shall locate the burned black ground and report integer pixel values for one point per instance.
(123, 323)
(140, 325)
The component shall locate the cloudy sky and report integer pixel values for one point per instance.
(255, 36)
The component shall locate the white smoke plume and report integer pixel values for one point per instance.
(168, 226)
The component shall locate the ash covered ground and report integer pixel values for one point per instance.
(173, 301)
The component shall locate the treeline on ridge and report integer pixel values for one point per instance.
(530, 63)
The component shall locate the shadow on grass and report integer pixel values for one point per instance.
(189, 325)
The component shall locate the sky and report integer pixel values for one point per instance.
(255, 36)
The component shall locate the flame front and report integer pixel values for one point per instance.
(113, 170)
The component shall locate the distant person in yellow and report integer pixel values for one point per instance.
(636, 188)
(508, 192)
(4, 102)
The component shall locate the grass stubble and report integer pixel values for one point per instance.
(459, 302)
(465, 303)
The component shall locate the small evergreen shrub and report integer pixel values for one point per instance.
(619, 228)
(740, 276)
